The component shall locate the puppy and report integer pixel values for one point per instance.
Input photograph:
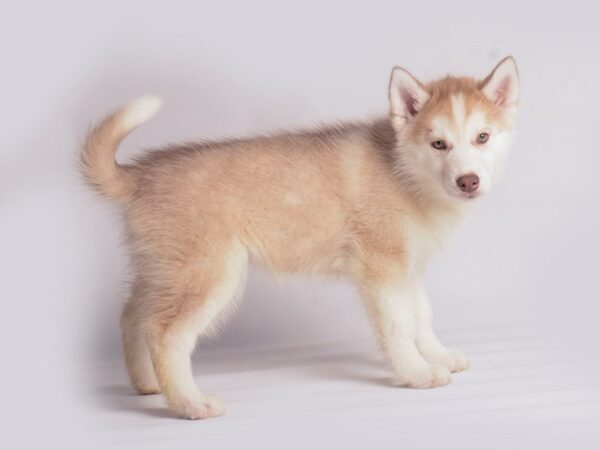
(369, 201)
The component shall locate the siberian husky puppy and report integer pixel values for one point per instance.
(369, 201)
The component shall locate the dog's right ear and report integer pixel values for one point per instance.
(407, 96)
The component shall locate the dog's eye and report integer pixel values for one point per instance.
(439, 145)
(482, 138)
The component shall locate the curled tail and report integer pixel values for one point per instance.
(98, 155)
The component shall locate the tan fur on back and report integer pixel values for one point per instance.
(304, 202)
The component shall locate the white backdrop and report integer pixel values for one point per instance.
(526, 257)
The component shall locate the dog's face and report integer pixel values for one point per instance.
(454, 133)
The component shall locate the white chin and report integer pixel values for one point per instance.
(459, 195)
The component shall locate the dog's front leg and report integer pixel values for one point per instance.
(428, 344)
(393, 312)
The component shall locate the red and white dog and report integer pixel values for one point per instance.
(369, 201)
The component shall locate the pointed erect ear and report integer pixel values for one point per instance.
(502, 85)
(407, 96)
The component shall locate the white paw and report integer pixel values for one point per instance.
(452, 360)
(205, 407)
(457, 361)
(425, 377)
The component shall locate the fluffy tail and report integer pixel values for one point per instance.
(98, 155)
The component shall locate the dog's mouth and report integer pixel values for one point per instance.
(466, 196)
(460, 195)
(471, 195)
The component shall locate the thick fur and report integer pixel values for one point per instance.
(368, 201)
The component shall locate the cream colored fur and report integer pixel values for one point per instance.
(368, 201)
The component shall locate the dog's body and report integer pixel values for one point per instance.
(368, 201)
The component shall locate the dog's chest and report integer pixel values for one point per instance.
(427, 235)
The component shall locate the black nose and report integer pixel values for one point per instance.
(468, 183)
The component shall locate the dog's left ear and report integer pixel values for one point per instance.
(502, 85)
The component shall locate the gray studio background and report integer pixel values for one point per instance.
(527, 256)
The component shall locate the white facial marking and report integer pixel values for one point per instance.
(457, 102)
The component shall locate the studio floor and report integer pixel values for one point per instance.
(523, 391)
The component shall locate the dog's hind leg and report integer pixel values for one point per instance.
(184, 311)
(135, 341)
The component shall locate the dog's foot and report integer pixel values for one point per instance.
(456, 361)
(144, 381)
(452, 360)
(147, 389)
(425, 377)
(204, 407)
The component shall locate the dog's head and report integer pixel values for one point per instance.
(453, 134)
